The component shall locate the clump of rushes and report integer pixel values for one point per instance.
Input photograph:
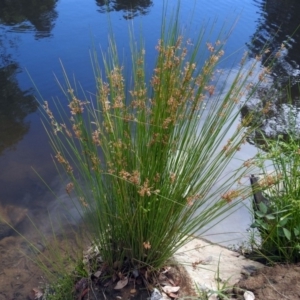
(145, 158)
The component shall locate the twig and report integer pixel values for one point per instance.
(94, 292)
(274, 287)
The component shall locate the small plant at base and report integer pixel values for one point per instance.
(222, 290)
(143, 158)
(61, 289)
(206, 294)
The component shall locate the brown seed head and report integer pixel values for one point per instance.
(147, 245)
(230, 195)
(145, 189)
(69, 187)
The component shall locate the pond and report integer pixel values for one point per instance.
(36, 35)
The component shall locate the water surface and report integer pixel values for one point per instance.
(37, 35)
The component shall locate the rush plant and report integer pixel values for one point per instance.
(146, 158)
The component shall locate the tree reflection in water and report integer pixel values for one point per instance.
(15, 105)
(131, 8)
(24, 15)
(279, 23)
(277, 108)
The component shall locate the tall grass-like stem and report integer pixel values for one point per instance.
(146, 158)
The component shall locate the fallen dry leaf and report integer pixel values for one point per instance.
(170, 289)
(166, 270)
(146, 275)
(132, 291)
(172, 282)
(97, 274)
(121, 276)
(121, 283)
(172, 295)
(37, 293)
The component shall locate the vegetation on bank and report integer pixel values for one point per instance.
(145, 158)
(278, 219)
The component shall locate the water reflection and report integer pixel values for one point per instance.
(25, 15)
(278, 24)
(15, 105)
(275, 107)
(131, 8)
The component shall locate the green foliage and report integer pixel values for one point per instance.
(60, 289)
(279, 222)
(145, 158)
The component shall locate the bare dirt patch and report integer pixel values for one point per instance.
(272, 283)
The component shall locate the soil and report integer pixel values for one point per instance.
(18, 276)
(272, 283)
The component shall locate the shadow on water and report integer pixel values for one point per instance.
(130, 8)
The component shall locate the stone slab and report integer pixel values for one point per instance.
(208, 263)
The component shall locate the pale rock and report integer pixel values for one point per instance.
(156, 295)
(212, 261)
(249, 295)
